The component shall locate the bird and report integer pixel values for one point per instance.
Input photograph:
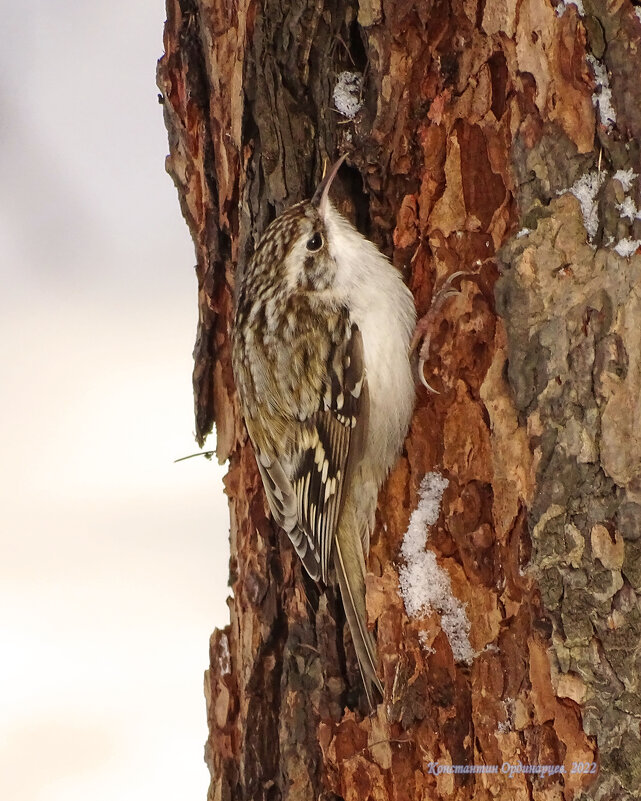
(322, 366)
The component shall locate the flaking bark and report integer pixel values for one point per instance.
(476, 118)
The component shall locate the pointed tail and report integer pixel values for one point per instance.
(349, 563)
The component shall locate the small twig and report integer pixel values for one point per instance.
(378, 742)
(206, 454)
(347, 50)
(309, 647)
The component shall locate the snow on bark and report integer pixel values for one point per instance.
(424, 584)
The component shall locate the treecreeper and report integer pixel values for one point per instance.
(321, 359)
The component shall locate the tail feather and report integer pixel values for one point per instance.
(349, 563)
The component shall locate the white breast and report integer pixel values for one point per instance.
(383, 308)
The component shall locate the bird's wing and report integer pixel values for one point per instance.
(306, 500)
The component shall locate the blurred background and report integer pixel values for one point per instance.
(113, 559)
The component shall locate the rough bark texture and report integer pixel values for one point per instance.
(476, 119)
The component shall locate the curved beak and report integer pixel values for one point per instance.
(321, 195)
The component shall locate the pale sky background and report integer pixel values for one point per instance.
(113, 560)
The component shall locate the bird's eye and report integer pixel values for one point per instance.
(315, 243)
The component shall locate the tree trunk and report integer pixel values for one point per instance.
(473, 122)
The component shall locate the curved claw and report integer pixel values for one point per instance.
(421, 375)
(445, 291)
(451, 278)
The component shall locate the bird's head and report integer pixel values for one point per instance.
(298, 250)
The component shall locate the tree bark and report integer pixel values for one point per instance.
(476, 120)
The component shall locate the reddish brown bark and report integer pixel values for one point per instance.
(476, 117)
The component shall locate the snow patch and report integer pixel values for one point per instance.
(424, 584)
(627, 247)
(422, 635)
(585, 190)
(602, 97)
(561, 8)
(504, 727)
(347, 94)
(625, 178)
(628, 209)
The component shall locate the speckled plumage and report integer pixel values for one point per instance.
(321, 361)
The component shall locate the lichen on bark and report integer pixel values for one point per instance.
(572, 314)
